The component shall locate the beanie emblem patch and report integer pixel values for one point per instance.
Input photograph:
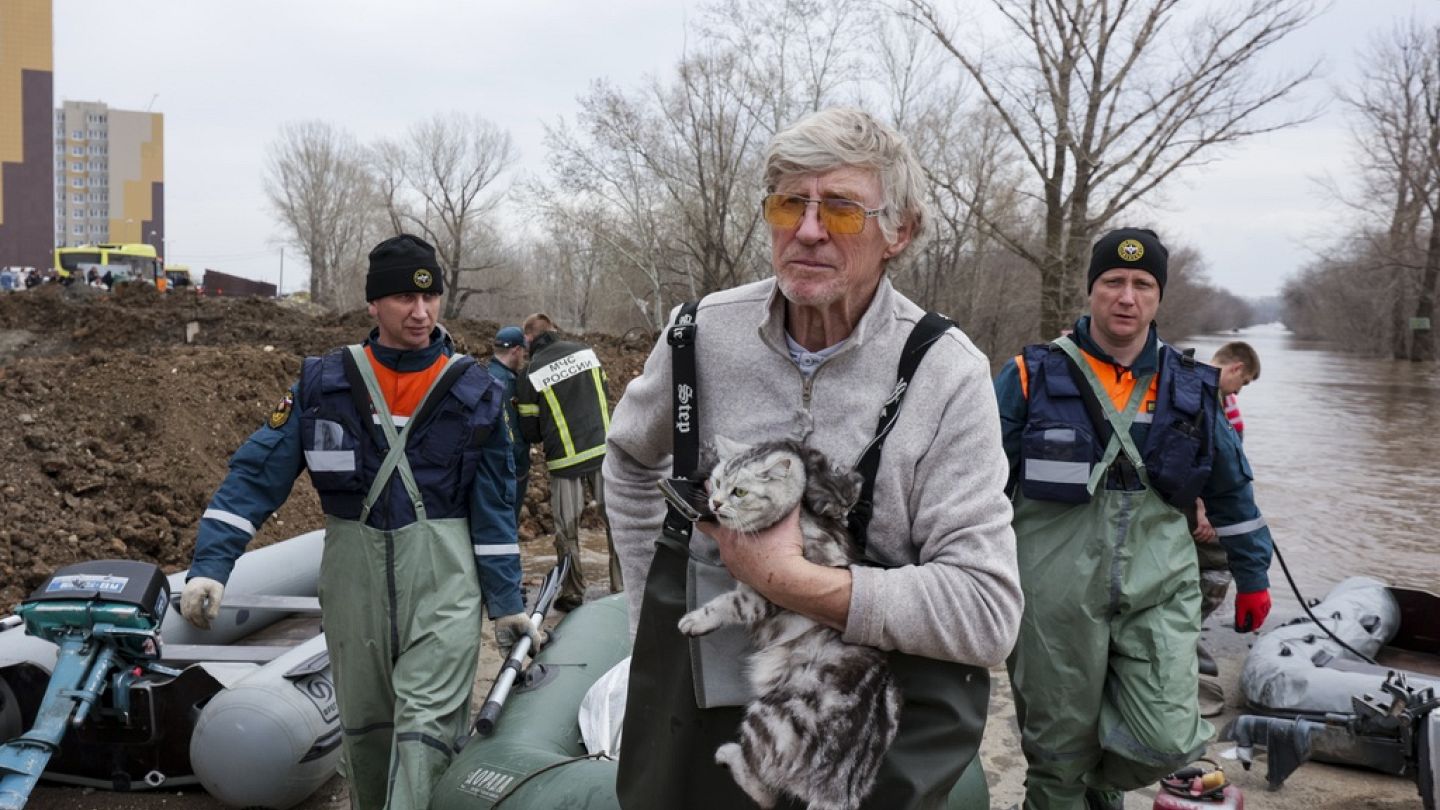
(1131, 250)
(423, 279)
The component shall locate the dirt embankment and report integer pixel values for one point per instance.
(119, 431)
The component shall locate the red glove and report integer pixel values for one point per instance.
(1251, 610)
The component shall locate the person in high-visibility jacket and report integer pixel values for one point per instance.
(564, 405)
(1111, 436)
(406, 444)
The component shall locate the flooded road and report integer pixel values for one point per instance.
(1344, 451)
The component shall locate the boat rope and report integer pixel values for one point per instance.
(552, 766)
(1306, 606)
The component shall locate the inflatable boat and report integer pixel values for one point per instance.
(536, 759)
(1364, 693)
(252, 695)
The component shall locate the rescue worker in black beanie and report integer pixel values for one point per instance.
(1135, 248)
(1111, 436)
(407, 444)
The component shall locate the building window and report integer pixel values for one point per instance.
(77, 198)
(77, 135)
(77, 150)
(78, 230)
(77, 167)
(77, 182)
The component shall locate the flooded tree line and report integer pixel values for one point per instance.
(1039, 124)
(1373, 291)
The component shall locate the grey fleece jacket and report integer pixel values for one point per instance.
(941, 517)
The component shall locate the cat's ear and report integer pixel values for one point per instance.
(727, 448)
(829, 492)
(778, 470)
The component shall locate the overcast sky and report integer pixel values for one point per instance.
(228, 75)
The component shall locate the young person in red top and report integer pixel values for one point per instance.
(1239, 366)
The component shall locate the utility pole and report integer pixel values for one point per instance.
(280, 288)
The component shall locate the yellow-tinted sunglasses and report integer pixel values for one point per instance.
(837, 214)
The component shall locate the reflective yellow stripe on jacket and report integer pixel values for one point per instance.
(573, 457)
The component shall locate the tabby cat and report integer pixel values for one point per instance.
(825, 711)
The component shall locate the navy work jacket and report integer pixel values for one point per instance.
(1226, 489)
(460, 456)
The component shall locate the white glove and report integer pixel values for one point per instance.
(200, 601)
(509, 629)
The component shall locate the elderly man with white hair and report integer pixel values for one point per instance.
(812, 355)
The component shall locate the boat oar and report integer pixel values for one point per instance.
(515, 662)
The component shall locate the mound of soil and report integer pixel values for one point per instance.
(121, 430)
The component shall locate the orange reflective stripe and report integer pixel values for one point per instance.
(404, 390)
(1024, 375)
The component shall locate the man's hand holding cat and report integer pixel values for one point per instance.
(772, 562)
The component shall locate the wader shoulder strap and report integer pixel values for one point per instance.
(685, 410)
(922, 337)
(395, 459)
(1118, 421)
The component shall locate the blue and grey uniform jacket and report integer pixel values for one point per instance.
(461, 458)
(506, 377)
(1226, 490)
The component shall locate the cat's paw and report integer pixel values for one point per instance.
(695, 623)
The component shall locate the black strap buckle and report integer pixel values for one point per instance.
(681, 335)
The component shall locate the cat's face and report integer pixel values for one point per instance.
(753, 489)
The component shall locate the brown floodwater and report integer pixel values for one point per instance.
(1344, 450)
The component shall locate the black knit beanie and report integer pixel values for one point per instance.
(403, 264)
(1131, 249)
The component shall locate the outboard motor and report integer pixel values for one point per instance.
(104, 616)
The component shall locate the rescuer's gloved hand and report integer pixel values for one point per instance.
(509, 629)
(200, 601)
(1251, 610)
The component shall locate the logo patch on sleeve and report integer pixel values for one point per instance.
(281, 414)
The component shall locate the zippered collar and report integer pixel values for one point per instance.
(1146, 363)
(772, 327)
(408, 360)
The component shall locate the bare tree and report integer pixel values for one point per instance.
(1395, 252)
(959, 268)
(1104, 101)
(1422, 344)
(1388, 132)
(599, 186)
(676, 168)
(439, 182)
(792, 56)
(316, 181)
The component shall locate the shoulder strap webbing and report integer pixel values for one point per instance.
(685, 410)
(1103, 430)
(395, 459)
(922, 337)
(436, 395)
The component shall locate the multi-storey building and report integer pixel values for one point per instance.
(109, 175)
(26, 100)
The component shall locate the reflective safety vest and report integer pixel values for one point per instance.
(564, 404)
(343, 445)
(1066, 434)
